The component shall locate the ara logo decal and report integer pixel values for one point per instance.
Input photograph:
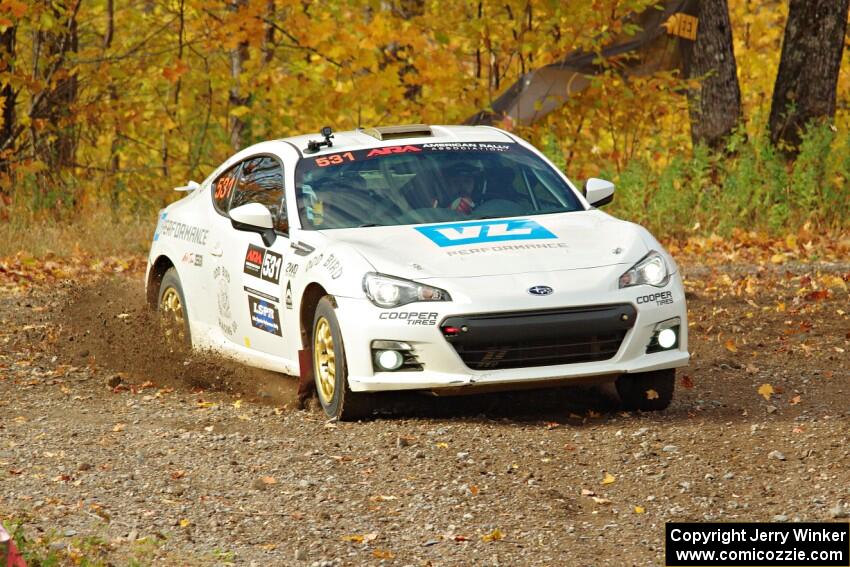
(263, 264)
(456, 234)
(392, 150)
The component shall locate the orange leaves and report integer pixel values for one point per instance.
(14, 8)
(172, 74)
(730, 346)
(686, 382)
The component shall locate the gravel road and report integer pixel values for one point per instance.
(113, 447)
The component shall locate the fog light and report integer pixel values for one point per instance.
(389, 359)
(666, 338)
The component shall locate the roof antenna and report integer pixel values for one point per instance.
(314, 146)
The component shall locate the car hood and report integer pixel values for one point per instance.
(543, 243)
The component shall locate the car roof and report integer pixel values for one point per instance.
(361, 138)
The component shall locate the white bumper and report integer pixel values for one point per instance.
(361, 323)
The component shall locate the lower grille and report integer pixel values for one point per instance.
(539, 338)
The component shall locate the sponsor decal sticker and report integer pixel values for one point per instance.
(392, 150)
(193, 259)
(660, 298)
(180, 231)
(313, 262)
(479, 232)
(424, 318)
(260, 293)
(507, 248)
(225, 318)
(254, 260)
(467, 147)
(333, 266)
(264, 315)
(263, 264)
(291, 269)
(302, 249)
(288, 295)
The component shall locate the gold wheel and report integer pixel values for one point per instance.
(324, 360)
(172, 311)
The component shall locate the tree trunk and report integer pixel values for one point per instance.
(808, 70)
(8, 97)
(268, 36)
(238, 56)
(715, 107)
(56, 146)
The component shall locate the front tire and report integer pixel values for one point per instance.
(330, 369)
(647, 391)
(173, 312)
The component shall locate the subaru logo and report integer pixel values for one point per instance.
(540, 290)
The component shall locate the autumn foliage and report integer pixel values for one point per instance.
(115, 103)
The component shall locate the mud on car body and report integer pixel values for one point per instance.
(447, 259)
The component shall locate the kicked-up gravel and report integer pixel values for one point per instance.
(114, 448)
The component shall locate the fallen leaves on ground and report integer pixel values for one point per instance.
(766, 390)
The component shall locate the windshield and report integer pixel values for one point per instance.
(427, 183)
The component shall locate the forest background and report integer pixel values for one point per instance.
(107, 105)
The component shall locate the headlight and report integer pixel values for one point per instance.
(651, 270)
(387, 291)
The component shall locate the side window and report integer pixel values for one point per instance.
(261, 182)
(222, 189)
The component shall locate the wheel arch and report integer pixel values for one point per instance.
(162, 264)
(313, 293)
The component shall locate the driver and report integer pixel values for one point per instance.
(462, 180)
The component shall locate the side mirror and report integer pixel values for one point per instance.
(598, 192)
(254, 217)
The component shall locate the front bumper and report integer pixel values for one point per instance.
(419, 325)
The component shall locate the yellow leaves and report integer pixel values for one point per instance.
(651, 394)
(239, 111)
(831, 281)
(442, 445)
(383, 554)
(640, 510)
(766, 390)
(730, 346)
(361, 538)
(609, 479)
(494, 535)
(382, 498)
(184, 523)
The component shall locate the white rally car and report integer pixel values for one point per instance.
(446, 259)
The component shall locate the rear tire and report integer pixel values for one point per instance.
(331, 371)
(173, 311)
(647, 391)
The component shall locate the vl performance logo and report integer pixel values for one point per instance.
(458, 233)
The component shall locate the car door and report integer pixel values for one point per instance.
(257, 269)
(221, 256)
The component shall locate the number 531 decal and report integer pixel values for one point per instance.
(335, 159)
